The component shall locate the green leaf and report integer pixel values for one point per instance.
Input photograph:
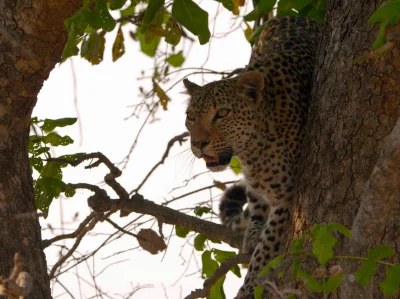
(236, 270)
(215, 241)
(199, 211)
(252, 16)
(52, 170)
(235, 165)
(305, 10)
(272, 264)
(34, 120)
(380, 252)
(300, 4)
(340, 228)
(50, 124)
(314, 285)
(366, 272)
(172, 32)
(176, 60)
(297, 245)
(151, 11)
(257, 33)
(209, 265)
(98, 16)
(258, 291)
(41, 150)
(129, 11)
(191, 16)
(161, 94)
(390, 286)
(69, 191)
(217, 290)
(265, 5)
(75, 25)
(118, 48)
(317, 15)
(148, 47)
(36, 163)
(296, 267)
(93, 48)
(55, 140)
(291, 297)
(116, 4)
(46, 189)
(285, 5)
(388, 12)
(285, 13)
(380, 39)
(334, 282)
(222, 256)
(199, 241)
(181, 231)
(323, 243)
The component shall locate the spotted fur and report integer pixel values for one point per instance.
(231, 208)
(259, 117)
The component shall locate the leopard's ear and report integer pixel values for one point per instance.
(251, 84)
(190, 86)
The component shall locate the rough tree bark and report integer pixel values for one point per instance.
(32, 36)
(353, 110)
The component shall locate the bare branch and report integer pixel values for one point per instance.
(109, 178)
(127, 157)
(167, 215)
(221, 271)
(47, 243)
(179, 138)
(82, 233)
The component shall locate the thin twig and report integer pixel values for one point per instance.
(73, 248)
(47, 243)
(179, 138)
(221, 271)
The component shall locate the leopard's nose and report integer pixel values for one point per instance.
(200, 144)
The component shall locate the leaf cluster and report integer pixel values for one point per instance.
(324, 280)
(211, 258)
(49, 184)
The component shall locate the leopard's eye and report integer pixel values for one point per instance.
(221, 113)
(190, 115)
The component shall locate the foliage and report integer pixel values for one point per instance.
(328, 276)
(387, 14)
(211, 257)
(156, 20)
(159, 22)
(48, 185)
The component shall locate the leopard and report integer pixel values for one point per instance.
(259, 117)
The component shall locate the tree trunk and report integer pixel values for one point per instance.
(354, 108)
(32, 36)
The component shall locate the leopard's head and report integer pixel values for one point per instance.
(221, 117)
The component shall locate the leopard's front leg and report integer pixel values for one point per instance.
(267, 248)
(259, 211)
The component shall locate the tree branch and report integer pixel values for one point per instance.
(179, 138)
(82, 233)
(377, 203)
(224, 268)
(166, 215)
(47, 243)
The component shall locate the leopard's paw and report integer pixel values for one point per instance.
(252, 236)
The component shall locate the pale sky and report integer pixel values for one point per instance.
(105, 93)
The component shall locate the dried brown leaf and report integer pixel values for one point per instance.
(150, 241)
